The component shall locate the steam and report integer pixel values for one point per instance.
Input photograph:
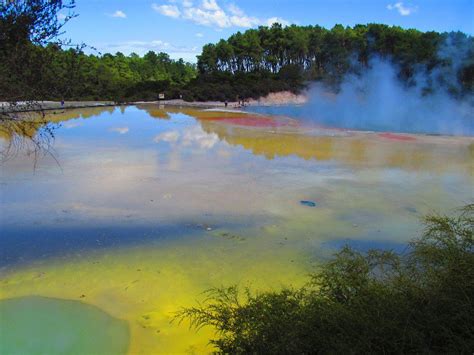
(376, 99)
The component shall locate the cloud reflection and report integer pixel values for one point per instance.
(120, 130)
(193, 136)
(169, 137)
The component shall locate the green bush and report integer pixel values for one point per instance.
(420, 301)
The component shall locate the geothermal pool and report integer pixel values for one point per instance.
(140, 209)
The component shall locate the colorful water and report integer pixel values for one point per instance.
(38, 325)
(400, 114)
(143, 208)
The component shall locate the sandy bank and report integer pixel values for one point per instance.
(50, 105)
(278, 98)
(55, 105)
(275, 98)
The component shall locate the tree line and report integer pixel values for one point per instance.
(58, 74)
(34, 64)
(307, 53)
(76, 75)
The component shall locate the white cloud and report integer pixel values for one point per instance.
(187, 3)
(119, 14)
(138, 47)
(235, 10)
(208, 18)
(240, 19)
(244, 21)
(120, 130)
(401, 8)
(61, 16)
(167, 10)
(210, 13)
(273, 20)
(199, 34)
(142, 47)
(210, 5)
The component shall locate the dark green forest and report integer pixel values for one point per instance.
(246, 65)
(35, 64)
(73, 75)
(270, 59)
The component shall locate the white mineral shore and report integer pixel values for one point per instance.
(278, 98)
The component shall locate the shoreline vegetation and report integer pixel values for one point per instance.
(418, 301)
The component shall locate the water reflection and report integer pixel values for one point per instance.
(153, 205)
(359, 150)
(192, 166)
(31, 123)
(349, 147)
(408, 113)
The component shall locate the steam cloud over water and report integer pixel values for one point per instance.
(377, 100)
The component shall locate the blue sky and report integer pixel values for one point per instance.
(182, 27)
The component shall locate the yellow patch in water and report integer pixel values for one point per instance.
(356, 149)
(146, 286)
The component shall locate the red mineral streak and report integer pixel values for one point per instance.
(255, 121)
(396, 137)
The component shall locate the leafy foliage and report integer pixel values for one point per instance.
(223, 86)
(322, 54)
(378, 302)
(71, 74)
(35, 64)
(26, 26)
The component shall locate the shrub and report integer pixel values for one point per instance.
(376, 302)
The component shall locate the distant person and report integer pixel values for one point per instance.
(62, 103)
(226, 103)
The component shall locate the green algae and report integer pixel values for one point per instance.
(40, 325)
